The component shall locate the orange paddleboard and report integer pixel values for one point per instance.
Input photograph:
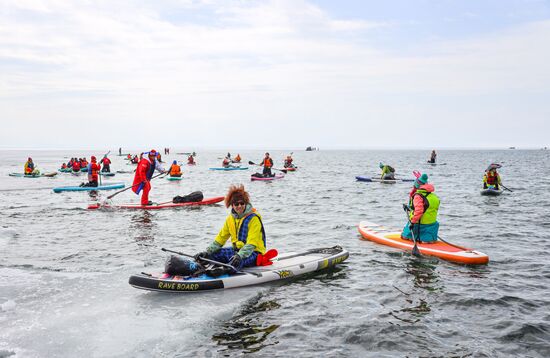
(392, 237)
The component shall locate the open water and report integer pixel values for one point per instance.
(64, 270)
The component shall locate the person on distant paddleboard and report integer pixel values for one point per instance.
(106, 162)
(491, 179)
(237, 159)
(267, 163)
(175, 169)
(144, 171)
(76, 166)
(226, 162)
(432, 157)
(29, 168)
(93, 173)
(191, 160)
(388, 173)
(423, 205)
(135, 159)
(84, 163)
(288, 162)
(245, 228)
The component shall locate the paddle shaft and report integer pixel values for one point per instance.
(510, 190)
(130, 187)
(415, 250)
(211, 261)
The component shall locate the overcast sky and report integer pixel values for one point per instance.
(274, 74)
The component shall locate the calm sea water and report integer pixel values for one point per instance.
(64, 270)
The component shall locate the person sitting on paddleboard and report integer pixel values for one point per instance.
(267, 163)
(388, 173)
(136, 160)
(491, 178)
(93, 173)
(106, 162)
(190, 160)
(237, 159)
(226, 162)
(423, 205)
(63, 166)
(175, 169)
(84, 163)
(29, 168)
(288, 162)
(245, 228)
(144, 173)
(432, 157)
(76, 166)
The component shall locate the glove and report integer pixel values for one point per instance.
(201, 255)
(235, 261)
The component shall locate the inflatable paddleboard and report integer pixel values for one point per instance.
(169, 205)
(392, 237)
(277, 176)
(89, 188)
(229, 168)
(21, 175)
(378, 180)
(173, 178)
(284, 266)
(292, 169)
(85, 169)
(107, 174)
(66, 170)
(491, 192)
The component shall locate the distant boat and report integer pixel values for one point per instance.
(310, 149)
(512, 148)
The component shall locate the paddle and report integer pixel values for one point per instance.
(415, 250)
(510, 190)
(212, 261)
(130, 187)
(281, 170)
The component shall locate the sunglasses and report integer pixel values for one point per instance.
(239, 203)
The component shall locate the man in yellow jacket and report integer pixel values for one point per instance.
(245, 228)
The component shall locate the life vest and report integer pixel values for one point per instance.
(175, 170)
(268, 162)
(243, 232)
(76, 166)
(93, 170)
(431, 206)
(151, 170)
(492, 178)
(238, 158)
(29, 167)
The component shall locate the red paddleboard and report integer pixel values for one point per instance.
(208, 201)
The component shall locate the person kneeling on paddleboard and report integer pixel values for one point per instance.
(423, 207)
(388, 173)
(288, 162)
(144, 172)
(267, 163)
(175, 169)
(29, 168)
(190, 160)
(93, 173)
(491, 178)
(245, 228)
(106, 162)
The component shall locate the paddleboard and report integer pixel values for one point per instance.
(385, 181)
(21, 175)
(125, 171)
(168, 205)
(85, 169)
(436, 163)
(277, 176)
(107, 174)
(229, 168)
(392, 237)
(89, 188)
(173, 178)
(66, 170)
(491, 192)
(292, 169)
(284, 266)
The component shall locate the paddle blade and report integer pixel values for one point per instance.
(416, 251)
(251, 162)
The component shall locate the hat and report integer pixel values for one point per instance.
(421, 180)
(175, 162)
(381, 165)
(93, 158)
(153, 152)
(29, 158)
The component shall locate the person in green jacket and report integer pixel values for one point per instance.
(388, 173)
(423, 207)
(245, 229)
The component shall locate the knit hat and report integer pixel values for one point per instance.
(175, 162)
(381, 165)
(421, 180)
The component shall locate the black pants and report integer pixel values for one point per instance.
(106, 169)
(89, 184)
(267, 172)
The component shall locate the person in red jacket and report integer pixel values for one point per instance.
(106, 162)
(76, 166)
(93, 173)
(144, 172)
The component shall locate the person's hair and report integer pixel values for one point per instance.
(236, 193)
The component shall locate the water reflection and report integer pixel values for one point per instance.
(247, 331)
(423, 272)
(143, 225)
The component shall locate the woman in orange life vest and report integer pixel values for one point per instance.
(237, 159)
(267, 163)
(491, 177)
(144, 173)
(175, 169)
(245, 228)
(93, 173)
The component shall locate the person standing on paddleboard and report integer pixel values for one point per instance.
(423, 205)
(245, 228)
(267, 163)
(388, 173)
(144, 172)
(491, 178)
(432, 157)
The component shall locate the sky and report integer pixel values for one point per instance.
(275, 74)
